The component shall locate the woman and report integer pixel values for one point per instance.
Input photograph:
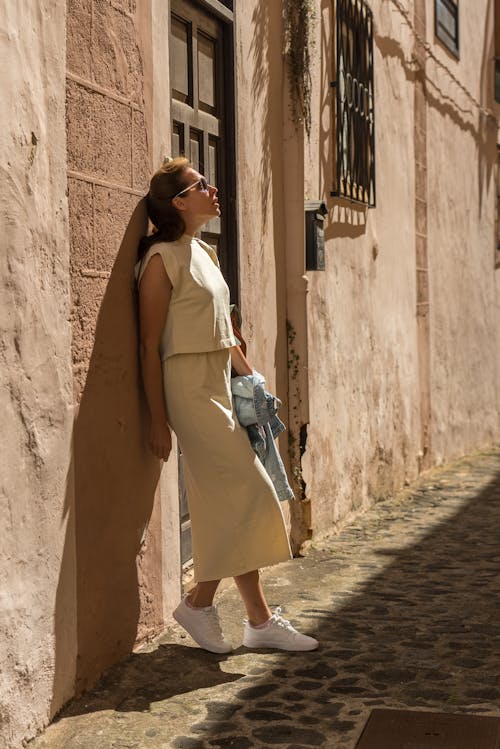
(187, 347)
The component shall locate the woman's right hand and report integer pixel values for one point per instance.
(160, 439)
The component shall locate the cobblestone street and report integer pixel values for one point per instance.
(405, 602)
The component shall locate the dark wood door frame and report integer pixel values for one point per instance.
(223, 10)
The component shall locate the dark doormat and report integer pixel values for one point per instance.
(410, 729)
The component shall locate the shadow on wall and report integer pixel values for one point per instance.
(115, 476)
(261, 92)
(456, 105)
(346, 220)
(268, 78)
(349, 221)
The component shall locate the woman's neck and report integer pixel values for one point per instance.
(192, 227)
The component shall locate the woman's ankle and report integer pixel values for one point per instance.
(193, 602)
(259, 618)
(259, 625)
(201, 596)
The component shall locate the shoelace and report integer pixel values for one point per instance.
(278, 619)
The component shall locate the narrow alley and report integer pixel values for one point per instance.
(405, 602)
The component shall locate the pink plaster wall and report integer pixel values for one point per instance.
(364, 436)
(262, 186)
(259, 84)
(36, 403)
(463, 279)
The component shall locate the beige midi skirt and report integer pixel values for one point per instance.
(236, 519)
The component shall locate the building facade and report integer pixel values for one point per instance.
(357, 171)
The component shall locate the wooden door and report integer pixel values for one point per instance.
(202, 100)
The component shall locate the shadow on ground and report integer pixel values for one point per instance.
(143, 678)
(405, 604)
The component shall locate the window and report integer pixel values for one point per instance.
(446, 20)
(355, 113)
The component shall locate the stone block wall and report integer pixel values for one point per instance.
(108, 157)
(117, 514)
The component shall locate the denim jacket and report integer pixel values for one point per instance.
(256, 410)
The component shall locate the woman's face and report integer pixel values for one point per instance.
(198, 203)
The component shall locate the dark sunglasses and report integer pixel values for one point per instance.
(202, 182)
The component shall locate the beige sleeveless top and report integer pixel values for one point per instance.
(198, 318)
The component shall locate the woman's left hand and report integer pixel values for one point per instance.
(160, 439)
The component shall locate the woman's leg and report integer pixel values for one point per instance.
(202, 594)
(251, 592)
(253, 597)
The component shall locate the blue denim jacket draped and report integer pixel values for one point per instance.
(256, 410)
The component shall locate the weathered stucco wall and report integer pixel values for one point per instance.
(36, 400)
(362, 361)
(259, 83)
(263, 252)
(463, 281)
(425, 253)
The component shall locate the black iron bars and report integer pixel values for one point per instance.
(355, 111)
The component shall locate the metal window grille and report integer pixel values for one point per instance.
(355, 111)
(446, 23)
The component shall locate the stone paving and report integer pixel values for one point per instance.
(405, 602)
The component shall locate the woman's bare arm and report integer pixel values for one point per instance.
(239, 361)
(154, 298)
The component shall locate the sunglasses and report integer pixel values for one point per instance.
(203, 187)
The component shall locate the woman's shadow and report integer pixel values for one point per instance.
(110, 496)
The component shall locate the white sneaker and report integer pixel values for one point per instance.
(204, 627)
(278, 633)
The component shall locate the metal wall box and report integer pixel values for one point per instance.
(315, 240)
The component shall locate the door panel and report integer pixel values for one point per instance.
(196, 149)
(177, 138)
(207, 71)
(180, 67)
